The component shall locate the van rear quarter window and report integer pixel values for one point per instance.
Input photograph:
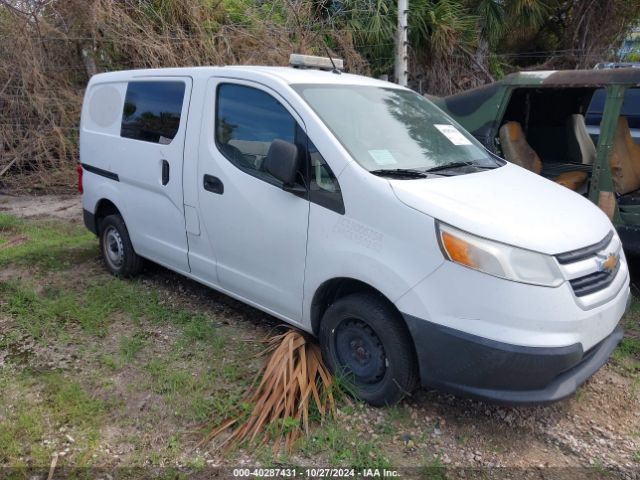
(152, 111)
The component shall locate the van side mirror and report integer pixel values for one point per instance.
(282, 161)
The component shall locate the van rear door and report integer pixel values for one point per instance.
(149, 155)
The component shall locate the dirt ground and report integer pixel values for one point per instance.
(67, 207)
(137, 411)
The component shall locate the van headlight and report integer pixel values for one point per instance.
(498, 259)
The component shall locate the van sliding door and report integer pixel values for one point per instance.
(149, 155)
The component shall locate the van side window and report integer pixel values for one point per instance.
(248, 120)
(152, 111)
(324, 188)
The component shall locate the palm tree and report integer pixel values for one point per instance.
(436, 27)
(441, 32)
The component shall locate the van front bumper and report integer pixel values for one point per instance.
(458, 362)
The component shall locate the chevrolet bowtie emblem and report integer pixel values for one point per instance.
(610, 263)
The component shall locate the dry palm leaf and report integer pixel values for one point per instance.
(292, 378)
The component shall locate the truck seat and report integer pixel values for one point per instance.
(581, 147)
(516, 150)
(624, 160)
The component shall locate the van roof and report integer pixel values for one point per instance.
(286, 75)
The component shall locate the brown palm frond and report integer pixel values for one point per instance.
(292, 380)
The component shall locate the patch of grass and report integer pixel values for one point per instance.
(398, 413)
(131, 346)
(433, 469)
(385, 428)
(496, 448)
(25, 427)
(43, 315)
(601, 470)
(190, 394)
(630, 346)
(199, 328)
(627, 355)
(8, 223)
(109, 361)
(196, 463)
(344, 449)
(53, 245)
(35, 406)
(70, 403)
(581, 395)
(167, 455)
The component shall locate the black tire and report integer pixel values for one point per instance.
(365, 341)
(115, 245)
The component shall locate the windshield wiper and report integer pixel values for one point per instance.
(454, 165)
(399, 172)
(449, 166)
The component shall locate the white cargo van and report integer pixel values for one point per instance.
(358, 211)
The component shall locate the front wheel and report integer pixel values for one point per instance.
(364, 340)
(117, 251)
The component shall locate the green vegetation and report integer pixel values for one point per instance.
(630, 347)
(131, 346)
(344, 448)
(129, 363)
(105, 328)
(458, 44)
(433, 469)
(43, 244)
(454, 45)
(45, 403)
(627, 355)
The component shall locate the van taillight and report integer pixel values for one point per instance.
(79, 170)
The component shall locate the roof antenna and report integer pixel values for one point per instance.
(335, 69)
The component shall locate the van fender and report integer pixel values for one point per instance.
(96, 191)
(356, 267)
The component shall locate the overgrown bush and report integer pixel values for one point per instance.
(50, 48)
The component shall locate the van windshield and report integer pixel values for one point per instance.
(391, 129)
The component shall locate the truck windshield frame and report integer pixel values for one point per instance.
(391, 128)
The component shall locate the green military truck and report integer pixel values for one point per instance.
(578, 128)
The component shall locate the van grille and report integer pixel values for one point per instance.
(594, 282)
(586, 272)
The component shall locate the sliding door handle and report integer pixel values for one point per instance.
(165, 172)
(213, 184)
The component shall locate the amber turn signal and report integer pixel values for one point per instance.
(457, 250)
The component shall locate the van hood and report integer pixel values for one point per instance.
(511, 205)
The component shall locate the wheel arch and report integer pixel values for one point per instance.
(405, 346)
(104, 208)
(335, 288)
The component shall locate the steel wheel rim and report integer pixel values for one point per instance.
(113, 248)
(360, 352)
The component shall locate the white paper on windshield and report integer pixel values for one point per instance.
(382, 157)
(453, 134)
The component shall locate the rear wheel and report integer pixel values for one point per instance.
(117, 251)
(364, 340)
